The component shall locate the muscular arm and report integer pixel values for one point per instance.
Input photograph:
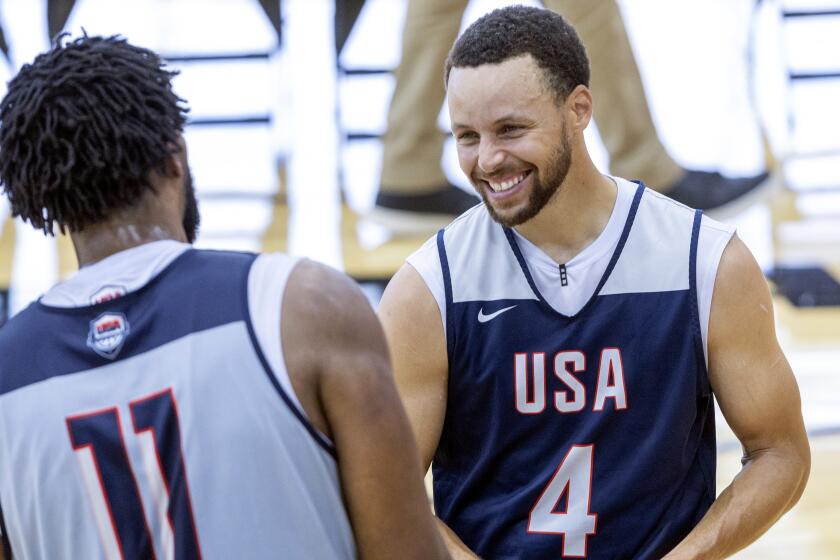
(759, 398)
(414, 330)
(338, 363)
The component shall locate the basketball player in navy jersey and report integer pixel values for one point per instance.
(559, 347)
(170, 402)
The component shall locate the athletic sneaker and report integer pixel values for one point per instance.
(421, 214)
(718, 196)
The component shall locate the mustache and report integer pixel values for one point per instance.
(496, 175)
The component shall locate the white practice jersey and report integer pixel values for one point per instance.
(146, 411)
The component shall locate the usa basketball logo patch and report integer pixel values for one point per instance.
(107, 334)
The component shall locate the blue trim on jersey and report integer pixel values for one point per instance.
(696, 328)
(704, 388)
(190, 295)
(447, 288)
(272, 377)
(628, 224)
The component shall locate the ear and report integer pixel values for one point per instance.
(174, 166)
(579, 105)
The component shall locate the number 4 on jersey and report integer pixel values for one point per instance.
(574, 480)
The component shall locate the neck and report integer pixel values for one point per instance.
(99, 241)
(576, 215)
(155, 217)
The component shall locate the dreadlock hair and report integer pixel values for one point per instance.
(82, 127)
(514, 31)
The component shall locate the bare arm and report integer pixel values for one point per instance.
(337, 357)
(414, 330)
(759, 398)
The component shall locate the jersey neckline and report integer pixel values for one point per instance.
(625, 233)
(600, 246)
(129, 296)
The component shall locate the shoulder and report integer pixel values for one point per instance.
(741, 307)
(412, 310)
(476, 217)
(18, 322)
(407, 288)
(325, 292)
(660, 221)
(739, 274)
(270, 270)
(712, 230)
(328, 314)
(426, 256)
(665, 218)
(22, 346)
(16, 329)
(657, 203)
(466, 235)
(216, 258)
(425, 261)
(713, 238)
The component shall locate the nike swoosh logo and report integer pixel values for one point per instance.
(482, 318)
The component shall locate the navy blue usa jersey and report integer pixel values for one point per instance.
(585, 436)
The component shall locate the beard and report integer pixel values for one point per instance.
(192, 218)
(543, 189)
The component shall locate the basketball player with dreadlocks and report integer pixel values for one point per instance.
(171, 402)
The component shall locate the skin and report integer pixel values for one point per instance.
(348, 393)
(512, 127)
(758, 395)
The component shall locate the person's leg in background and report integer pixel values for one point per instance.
(415, 195)
(624, 120)
(621, 108)
(58, 12)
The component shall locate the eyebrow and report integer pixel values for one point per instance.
(505, 118)
(510, 117)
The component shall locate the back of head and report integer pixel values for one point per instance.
(517, 31)
(81, 129)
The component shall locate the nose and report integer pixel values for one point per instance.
(490, 156)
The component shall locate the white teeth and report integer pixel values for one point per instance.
(510, 183)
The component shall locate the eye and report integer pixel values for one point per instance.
(465, 137)
(509, 129)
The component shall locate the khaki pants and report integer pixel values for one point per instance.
(413, 143)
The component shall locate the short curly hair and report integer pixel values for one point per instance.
(514, 31)
(82, 127)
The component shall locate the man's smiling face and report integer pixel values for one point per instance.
(511, 135)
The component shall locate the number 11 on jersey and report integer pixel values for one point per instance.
(574, 480)
(97, 438)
